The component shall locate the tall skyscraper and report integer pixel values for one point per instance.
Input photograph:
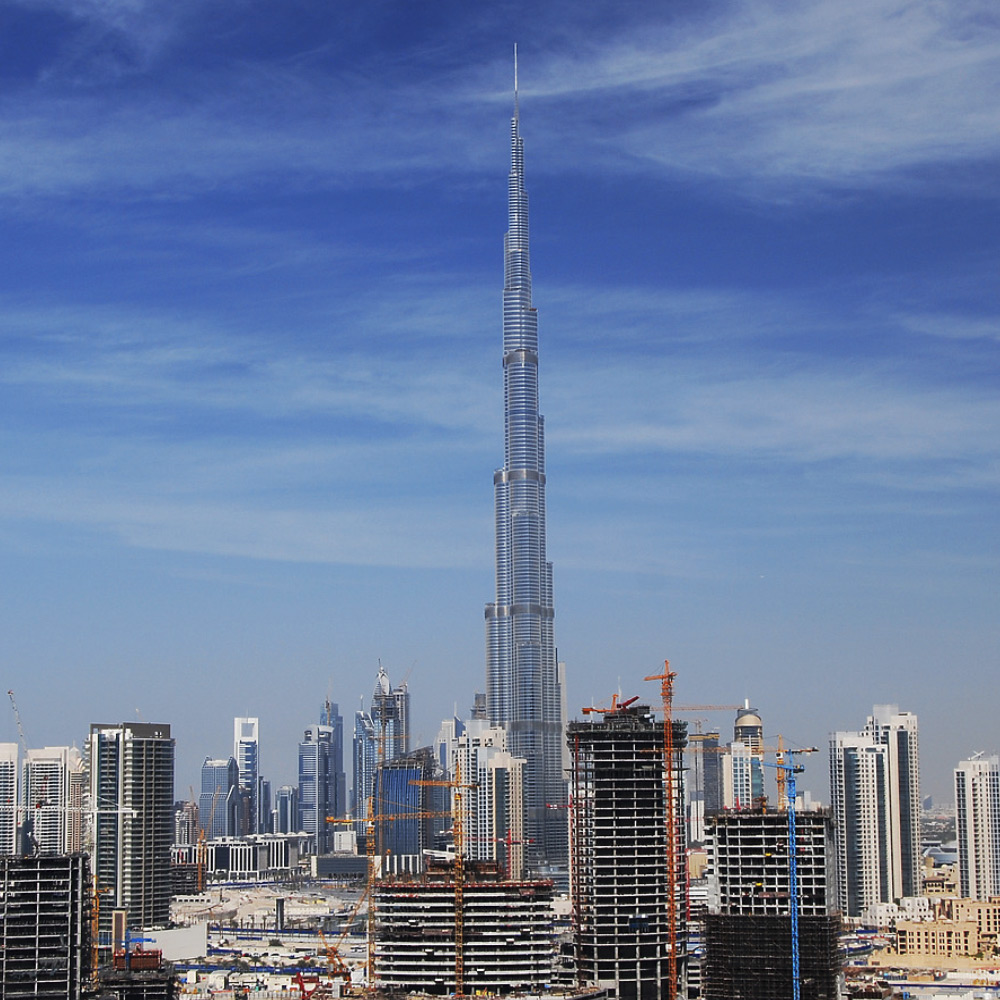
(219, 806)
(330, 716)
(704, 782)
(523, 690)
(365, 761)
(875, 792)
(391, 716)
(246, 752)
(379, 736)
(628, 881)
(131, 770)
(977, 816)
(316, 785)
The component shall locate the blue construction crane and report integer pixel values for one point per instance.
(788, 772)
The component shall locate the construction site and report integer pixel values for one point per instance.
(45, 906)
(628, 861)
(489, 935)
(769, 931)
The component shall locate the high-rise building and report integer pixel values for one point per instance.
(977, 817)
(407, 812)
(8, 798)
(628, 879)
(704, 785)
(379, 736)
(330, 716)
(219, 805)
(246, 752)
(365, 761)
(317, 786)
(523, 689)
(286, 810)
(45, 927)
(742, 764)
(492, 808)
(185, 824)
(748, 927)
(47, 794)
(875, 791)
(391, 717)
(131, 807)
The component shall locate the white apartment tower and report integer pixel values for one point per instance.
(51, 795)
(493, 808)
(977, 813)
(875, 792)
(8, 798)
(131, 806)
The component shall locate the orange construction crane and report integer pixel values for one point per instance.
(667, 693)
(707, 708)
(616, 706)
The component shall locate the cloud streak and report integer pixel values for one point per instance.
(755, 93)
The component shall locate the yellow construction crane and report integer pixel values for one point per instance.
(370, 824)
(457, 785)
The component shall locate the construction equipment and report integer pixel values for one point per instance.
(370, 826)
(707, 708)
(789, 770)
(667, 694)
(457, 785)
(28, 828)
(616, 706)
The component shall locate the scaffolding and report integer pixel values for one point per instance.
(44, 927)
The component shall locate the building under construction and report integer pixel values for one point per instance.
(748, 927)
(628, 857)
(44, 926)
(503, 931)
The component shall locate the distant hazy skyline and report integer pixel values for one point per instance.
(250, 313)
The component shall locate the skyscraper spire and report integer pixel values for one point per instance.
(523, 690)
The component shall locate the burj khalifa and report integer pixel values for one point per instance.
(523, 687)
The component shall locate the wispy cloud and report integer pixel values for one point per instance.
(752, 92)
(834, 92)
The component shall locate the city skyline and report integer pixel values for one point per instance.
(248, 363)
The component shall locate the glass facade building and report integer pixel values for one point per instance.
(523, 690)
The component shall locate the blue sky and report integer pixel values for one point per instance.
(250, 357)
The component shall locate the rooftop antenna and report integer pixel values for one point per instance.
(516, 115)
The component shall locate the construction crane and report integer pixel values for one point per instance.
(28, 829)
(370, 825)
(616, 706)
(457, 786)
(707, 708)
(789, 770)
(667, 694)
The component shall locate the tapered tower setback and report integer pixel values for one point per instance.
(523, 690)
